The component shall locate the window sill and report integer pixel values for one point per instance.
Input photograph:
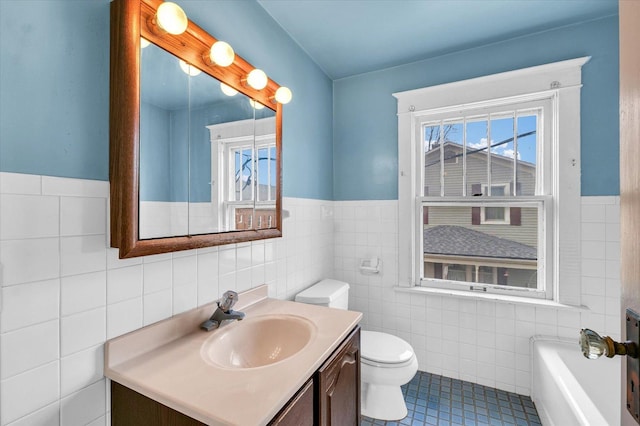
(492, 297)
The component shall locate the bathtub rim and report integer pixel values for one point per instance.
(552, 339)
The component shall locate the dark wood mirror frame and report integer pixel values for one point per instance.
(130, 20)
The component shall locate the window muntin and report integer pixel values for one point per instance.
(493, 154)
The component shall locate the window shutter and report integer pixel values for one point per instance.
(437, 270)
(425, 215)
(515, 216)
(475, 215)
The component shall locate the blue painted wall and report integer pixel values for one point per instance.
(154, 152)
(365, 123)
(54, 77)
(339, 137)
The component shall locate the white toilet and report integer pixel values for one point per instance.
(388, 362)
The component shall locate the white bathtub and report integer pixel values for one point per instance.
(569, 389)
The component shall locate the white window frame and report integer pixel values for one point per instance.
(560, 81)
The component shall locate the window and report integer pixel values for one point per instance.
(244, 170)
(252, 177)
(489, 160)
(495, 215)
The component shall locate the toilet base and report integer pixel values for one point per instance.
(382, 402)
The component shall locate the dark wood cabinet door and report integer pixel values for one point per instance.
(129, 408)
(299, 411)
(339, 385)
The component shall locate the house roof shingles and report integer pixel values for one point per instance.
(461, 241)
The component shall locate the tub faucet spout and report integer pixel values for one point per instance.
(223, 312)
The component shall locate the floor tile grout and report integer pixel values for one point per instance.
(437, 400)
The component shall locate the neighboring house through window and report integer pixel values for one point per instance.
(484, 165)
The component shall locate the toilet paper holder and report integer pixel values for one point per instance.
(370, 265)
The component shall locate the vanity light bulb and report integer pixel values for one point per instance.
(257, 79)
(228, 90)
(255, 104)
(144, 43)
(189, 69)
(283, 95)
(171, 18)
(222, 54)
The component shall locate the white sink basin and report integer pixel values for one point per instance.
(258, 341)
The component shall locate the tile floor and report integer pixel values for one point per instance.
(442, 401)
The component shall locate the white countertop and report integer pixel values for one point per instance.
(163, 361)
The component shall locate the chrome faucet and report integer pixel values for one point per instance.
(223, 312)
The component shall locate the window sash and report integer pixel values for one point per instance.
(541, 105)
(543, 205)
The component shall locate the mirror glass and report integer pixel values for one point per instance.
(207, 159)
(164, 144)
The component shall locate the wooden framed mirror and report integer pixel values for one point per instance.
(189, 167)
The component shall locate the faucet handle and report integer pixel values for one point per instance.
(228, 299)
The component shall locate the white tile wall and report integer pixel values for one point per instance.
(486, 342)
(64, 292)
(62, 287)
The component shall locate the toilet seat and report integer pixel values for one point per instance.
(384, 364)
(384, 350)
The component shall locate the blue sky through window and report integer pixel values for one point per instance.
(501, 129)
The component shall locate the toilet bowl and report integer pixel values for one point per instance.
(387, 361)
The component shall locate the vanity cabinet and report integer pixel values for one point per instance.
(338, 380)
(129, 408)
(330, 397)
(336, 387)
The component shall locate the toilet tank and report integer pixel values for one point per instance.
(331, 293)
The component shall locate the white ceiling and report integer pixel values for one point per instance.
(349, 37)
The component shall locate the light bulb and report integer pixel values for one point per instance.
(255, 104)
(222, 54)
(228, 90)
(144, 42)
(283, 95)
(189, 69)
(171, 18)
(257, 79)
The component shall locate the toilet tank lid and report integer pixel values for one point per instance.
(323, 292)
(384, 348)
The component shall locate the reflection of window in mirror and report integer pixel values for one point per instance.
(245, 154)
